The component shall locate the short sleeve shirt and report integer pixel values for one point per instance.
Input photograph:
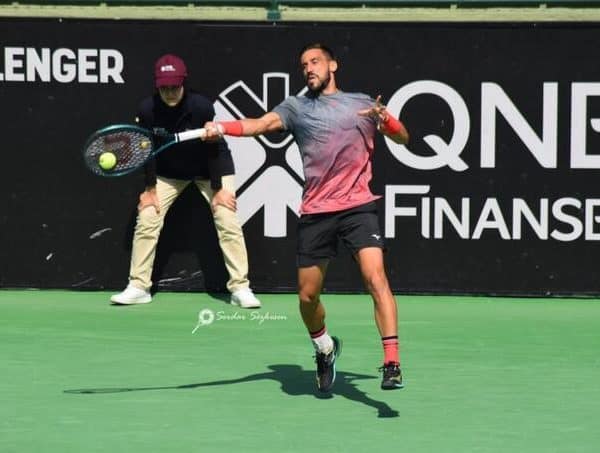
(336, 146)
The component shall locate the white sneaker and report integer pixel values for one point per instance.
(131, 295)
(244, 298)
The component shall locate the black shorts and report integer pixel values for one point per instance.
(319, 234)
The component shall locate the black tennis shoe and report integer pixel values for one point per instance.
(392, 376)
(326, 366)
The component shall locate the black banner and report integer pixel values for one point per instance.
(496, 192)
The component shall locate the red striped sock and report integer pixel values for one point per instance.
(321, 340)
(318, 333)
(390, 349)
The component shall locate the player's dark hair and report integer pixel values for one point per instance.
(317, 45)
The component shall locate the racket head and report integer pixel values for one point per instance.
(131, 145)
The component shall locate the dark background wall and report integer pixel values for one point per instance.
(62, 227)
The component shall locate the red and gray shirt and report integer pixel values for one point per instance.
(336, 146)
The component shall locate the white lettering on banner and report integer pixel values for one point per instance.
(27, 64)
(491, 218)
(392, 211)
(566, 215)
(443, 209)
(445, 153)
(580, 92)
(522, 210)
(494, 98)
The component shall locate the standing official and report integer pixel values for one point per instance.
(209, 166)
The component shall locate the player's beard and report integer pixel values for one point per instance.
(322, 85)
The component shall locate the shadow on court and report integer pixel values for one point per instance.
(294, 381)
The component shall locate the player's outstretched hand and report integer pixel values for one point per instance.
(377, 112)
(386, 124)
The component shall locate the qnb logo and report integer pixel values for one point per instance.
(445, 153)
(269, 172)
(541, 141)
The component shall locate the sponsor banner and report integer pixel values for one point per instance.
(496, 192)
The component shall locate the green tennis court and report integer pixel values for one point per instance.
(482, 375)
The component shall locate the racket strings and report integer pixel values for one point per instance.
(131, 149)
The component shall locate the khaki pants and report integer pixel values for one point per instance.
(149, 224)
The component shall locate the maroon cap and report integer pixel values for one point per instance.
(169, 70)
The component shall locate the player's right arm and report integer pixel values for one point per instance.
(247, 127)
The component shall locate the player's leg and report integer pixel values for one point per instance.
(233, 245)
(327, 348)
(370, 261)
(316, 243)
(145, 238)
(359, 230)
(310, 283)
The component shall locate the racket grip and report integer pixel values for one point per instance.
(191, 134)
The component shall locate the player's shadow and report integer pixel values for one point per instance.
(294, 381)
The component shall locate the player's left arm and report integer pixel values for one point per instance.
(386, 124)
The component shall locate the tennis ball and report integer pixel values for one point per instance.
(107, 160)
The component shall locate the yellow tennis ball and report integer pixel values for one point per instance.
(107, 160)
(144, 144)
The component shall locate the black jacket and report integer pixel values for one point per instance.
(188, 160)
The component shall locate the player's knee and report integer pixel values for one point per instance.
(308, 296)
(376, 282)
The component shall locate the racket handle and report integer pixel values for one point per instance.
(191, 134)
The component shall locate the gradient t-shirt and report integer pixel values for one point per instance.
(336, 145)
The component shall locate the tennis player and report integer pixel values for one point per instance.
(335, 132)
(174, 108)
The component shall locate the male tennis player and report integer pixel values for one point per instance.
(208, 165)
(335, 133)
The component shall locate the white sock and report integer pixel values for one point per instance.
(323, 343)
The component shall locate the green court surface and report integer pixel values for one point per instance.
(482, 375)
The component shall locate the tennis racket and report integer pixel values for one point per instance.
(122, 148)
